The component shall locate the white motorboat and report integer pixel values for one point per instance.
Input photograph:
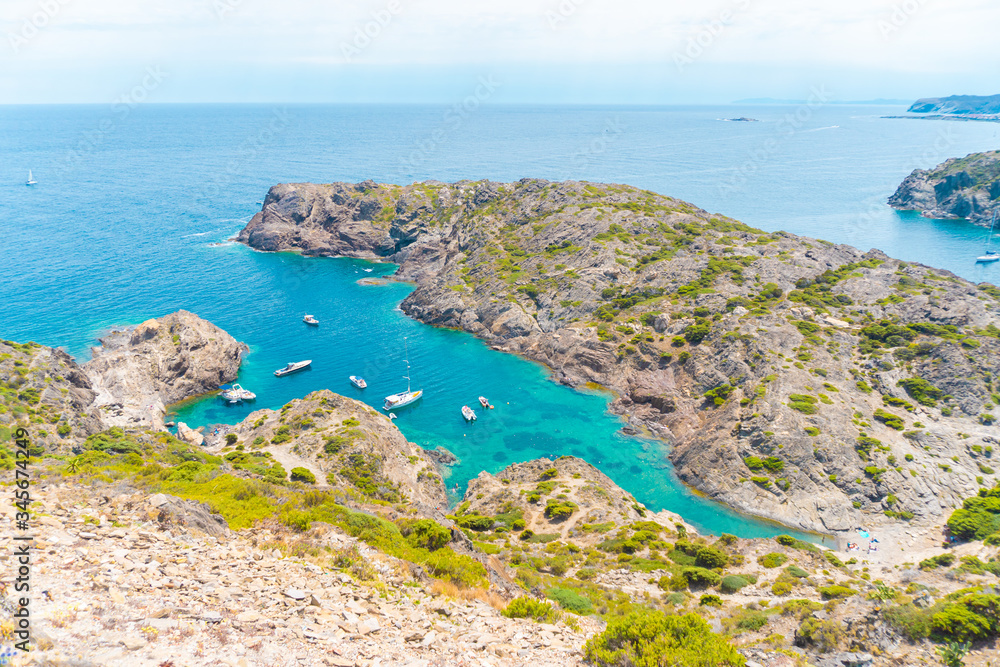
(486, 404)
(991, 255)
(293, 367)
(404, 397)
(31, 179)
(309, 319)
(358, 381)
(468, 413)
(236, 393)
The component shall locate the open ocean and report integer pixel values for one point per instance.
(133, 206)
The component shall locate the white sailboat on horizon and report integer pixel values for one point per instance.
(991, 255)
(404, 397)
(31, 179)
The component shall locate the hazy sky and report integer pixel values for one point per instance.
(587, 51)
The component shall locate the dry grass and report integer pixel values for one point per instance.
(450, 590)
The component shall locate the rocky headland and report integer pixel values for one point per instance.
(807, 382)
(139, 371)
(958, 188)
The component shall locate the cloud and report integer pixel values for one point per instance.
(105, 39)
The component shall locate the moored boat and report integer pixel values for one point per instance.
(236, 393)
(468, 413)
(991, 255)
(486, 404)
(401, 399)
(358, 381)
(309, 319)
(404, 397)
(293, 367)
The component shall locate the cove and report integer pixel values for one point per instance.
(362, 332)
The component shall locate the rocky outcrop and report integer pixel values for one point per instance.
(528, 488)
(139, 371)
(347, 445)
(45, 384)
(782, 370)
(966, 187)
(957, 105)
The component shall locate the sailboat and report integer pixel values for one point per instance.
(403, 397)
(991, 255)
(31, 179)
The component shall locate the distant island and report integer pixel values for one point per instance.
(742, 119)
(772, 100)
(956, 107)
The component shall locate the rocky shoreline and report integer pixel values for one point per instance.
(762, 359)
(316, 534)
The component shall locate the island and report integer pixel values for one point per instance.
(965, 187)
(956, 107)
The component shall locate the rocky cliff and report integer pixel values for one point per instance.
(966, 187)
(803, 381)
(137, 372)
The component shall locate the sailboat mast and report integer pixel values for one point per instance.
(406, 353)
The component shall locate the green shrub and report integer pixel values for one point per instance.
(475, 522)
(941, 560)
(803, 407)
(973, 617)
(836, 591)
(524, 607)
(889, 419)
(824, 635)
(700, 577)
(751, 620)
(711, 558)
(231, 439)
(653, 639)
(303, 475)
(570, 600)
(709, 600)
(549, 473)
(559, 510)
(909, 620)
(796, 571)
(732, 583)
(978, 517)
(425, 533)
(773, 559)
(921, 391)
(781, 587)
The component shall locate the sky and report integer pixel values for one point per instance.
(524, 51)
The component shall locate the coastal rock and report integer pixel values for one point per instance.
(49, 384)
(137, 372)
(767, 361)
(343, 443)
(958, 188)
(594, 497)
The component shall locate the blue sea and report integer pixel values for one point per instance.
(133, 208)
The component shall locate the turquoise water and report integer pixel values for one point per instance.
(126, 218)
